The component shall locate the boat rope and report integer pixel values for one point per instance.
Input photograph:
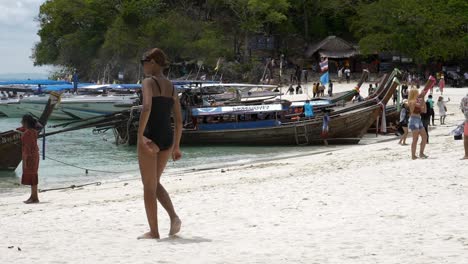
(87, 170)
(70, 187)
(124, 140)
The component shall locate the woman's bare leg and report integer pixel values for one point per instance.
(163, 195)
(405, 135)
(423, 143)
(34, 194)
(148, 170)
(414, 144)
(465, 141)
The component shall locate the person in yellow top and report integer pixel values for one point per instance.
(315, 90)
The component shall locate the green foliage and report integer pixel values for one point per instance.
(252, 15)
(425, 30)
(102, 37)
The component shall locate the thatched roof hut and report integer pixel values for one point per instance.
(332, 47)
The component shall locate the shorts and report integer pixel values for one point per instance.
(415, 123)
(465, 130)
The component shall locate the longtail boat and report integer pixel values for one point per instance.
(346, 125)
(10, 141)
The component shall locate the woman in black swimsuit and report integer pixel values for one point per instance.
(156, 139)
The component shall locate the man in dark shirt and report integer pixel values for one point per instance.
(75, 82)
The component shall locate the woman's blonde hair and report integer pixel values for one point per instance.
(413, 94)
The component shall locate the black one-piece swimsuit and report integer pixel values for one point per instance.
(159, 126)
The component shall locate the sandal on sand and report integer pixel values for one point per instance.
(422, 156)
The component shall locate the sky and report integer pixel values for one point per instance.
(18, 34)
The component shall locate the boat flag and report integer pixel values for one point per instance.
(324, 79)
(429, 85)
(218, 64)
(324, 65)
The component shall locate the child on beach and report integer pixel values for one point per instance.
(30, 155)
(442, 109)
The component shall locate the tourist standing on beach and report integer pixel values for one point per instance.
(340, 75)
(442, 109)
(426, 119)
(404, 116)
(370, 90)
(430, 110)
(314, 90)
(156, 139)
(404, 91)
(30, 155)
(442, 84)
(417, 106)
(75, 81)
(464, 108)
(347, 74)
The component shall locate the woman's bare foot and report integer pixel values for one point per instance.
(31, 201)
(175, 226)
(414, 157)
(148, 235)
(464, 158)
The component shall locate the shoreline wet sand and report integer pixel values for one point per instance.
(368, 203)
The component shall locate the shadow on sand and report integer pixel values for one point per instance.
(183, 240)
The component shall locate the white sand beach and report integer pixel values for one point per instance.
(368, 203)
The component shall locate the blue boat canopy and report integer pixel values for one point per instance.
(33, 82)
(62, 87)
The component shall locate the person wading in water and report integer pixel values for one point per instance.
(156, 139)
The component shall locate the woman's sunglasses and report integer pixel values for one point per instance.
(145, 60)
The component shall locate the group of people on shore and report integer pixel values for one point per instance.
(417, 114)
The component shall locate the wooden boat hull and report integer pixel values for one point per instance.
(10, 150)
(346, 128)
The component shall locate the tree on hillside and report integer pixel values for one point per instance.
(423, 29)
(253, 16)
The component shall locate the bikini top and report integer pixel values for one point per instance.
(417, 109)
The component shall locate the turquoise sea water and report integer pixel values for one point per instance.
(99, 152)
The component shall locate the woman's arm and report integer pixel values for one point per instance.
(178, 128)
(423, 106)
(146, 106)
